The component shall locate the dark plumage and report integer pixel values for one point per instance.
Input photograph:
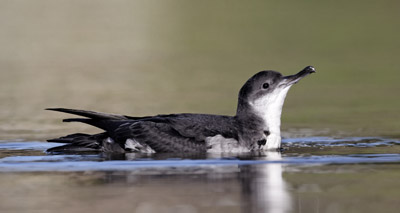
(185, 132)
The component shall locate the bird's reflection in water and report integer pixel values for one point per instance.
(254, 187)
(264, 189)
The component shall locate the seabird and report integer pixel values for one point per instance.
(256, 125)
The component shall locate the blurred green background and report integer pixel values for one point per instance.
(150, 57)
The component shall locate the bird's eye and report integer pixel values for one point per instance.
(265, 85)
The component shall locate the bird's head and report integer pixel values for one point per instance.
(267, 90)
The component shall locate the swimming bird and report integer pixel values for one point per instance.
(256, 125)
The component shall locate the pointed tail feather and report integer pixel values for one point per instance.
(90, 114)
(105, 124)
(68, 138)
(79, 142)
(71, 148)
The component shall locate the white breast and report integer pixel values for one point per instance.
(218, 144)
(269, 109)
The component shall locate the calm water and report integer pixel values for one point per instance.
(169, 56)
(316, 174)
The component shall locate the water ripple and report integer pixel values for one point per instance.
(31, 156)
(332, 142)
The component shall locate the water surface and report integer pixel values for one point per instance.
(156, 57)
(315, 174)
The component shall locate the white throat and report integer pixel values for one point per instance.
(269, 109)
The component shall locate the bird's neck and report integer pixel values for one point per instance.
(268, 111)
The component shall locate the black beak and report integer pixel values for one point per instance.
(292, 79)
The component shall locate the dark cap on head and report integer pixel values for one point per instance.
(266, 82)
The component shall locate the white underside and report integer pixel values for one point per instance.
(132, 145)
(219, 144)
(269, 108)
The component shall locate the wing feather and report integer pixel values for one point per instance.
(161, 137)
